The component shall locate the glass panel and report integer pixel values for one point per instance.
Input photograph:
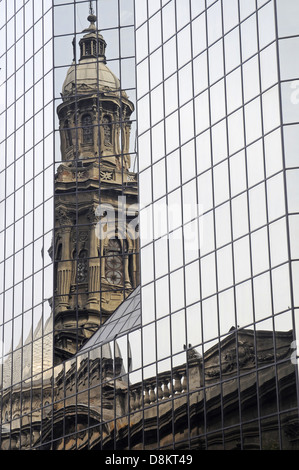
(224, 268)
(177, 290)
(292, 190)
(257, 206)
(266, 22)
(291, 145)
(249, 37)
(242, 264)
(287, 14)
(208, 279)
(232, 50)
(206, 228)
(253, 123)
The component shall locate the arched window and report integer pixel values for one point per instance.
(87, 129)
(107, 130)
(114, 263)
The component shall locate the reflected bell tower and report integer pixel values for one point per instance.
(95, 245)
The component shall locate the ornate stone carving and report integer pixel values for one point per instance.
(93, 215)
(80, 174)
(106, 175)
(107, 127)
(131, 178)
(83, 236)
(82, 267)
(244, 356)
(80, 236)
(63, 217)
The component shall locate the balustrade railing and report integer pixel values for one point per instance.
(156, 389)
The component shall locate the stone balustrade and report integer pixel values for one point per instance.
(163, 387)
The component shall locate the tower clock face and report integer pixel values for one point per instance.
(114, 273)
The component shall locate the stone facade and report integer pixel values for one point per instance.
(90, 403)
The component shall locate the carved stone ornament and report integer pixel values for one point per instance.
(106, 175)
(93, 215)
(80, 174)
(82, 270)
(131, 178)
(63, 217)
(81, 236)
(247, 356)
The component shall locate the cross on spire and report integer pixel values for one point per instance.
(92, 18)
(91, 10)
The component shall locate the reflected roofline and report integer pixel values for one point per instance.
(128, 313)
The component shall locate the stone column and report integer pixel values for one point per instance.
(127, 280)
(126, 146)
(64, 270)
(102, 259)
(135, 279)
(94, 270)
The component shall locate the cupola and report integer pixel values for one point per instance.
(92, 44)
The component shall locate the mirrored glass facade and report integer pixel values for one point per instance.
(148, 224)
(217, 113)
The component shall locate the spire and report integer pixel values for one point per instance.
(92, 19)
(91, 10)
(93, 43)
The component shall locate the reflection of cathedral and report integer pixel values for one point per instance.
(90, 402)
(95, 247)
(93, 398)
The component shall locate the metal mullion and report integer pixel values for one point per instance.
(12, 256)
(22, 249)
(75, 163)
(43, 211)
(63, 400)
(14, 209)
(249, 230)
(101, 384)
(231, 234)
(4, 232)
(121, 123)
(152, 282)
(32, 243)
(214, 219)
(287, 215)
(88, 398)
(136, 157)
(203, 385)
(198, 230)
(42, 277)
(122, 208)
(51, 437)
(155, 363)
(267, 226)
(76, 395)
(170, 315)
(198, 227)
(99, 146)
(141, 326)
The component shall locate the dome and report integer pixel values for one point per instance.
(90, 75)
